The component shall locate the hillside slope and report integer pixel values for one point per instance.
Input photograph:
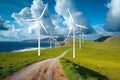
(112, 39)
(101, 57)
(101, 39)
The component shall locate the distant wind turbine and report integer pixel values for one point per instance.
(56, 42)
(50, 38)
(81, 38)
(41, 24)
(73, 28)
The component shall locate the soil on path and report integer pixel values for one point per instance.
(49, 69)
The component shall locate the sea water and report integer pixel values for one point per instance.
(21, 46)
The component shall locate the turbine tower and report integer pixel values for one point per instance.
(56, 42)
(50, 38)
(41, 24)
(73, 28)
(81, 38)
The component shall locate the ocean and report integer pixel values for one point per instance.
(20, 46)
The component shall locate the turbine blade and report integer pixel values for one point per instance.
(43, 27)
(80, 26)
(78, 32)
(40, 15)
(70, 15)
(30, 20)
(43, 11)
(69, 32)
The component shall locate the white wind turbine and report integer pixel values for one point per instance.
(50, 38)
(53, 40)
(81, 37)
(41, 24)
(73, 28)
(56, 42)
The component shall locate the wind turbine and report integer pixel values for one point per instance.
(50, 38)
(41, 24)
(81, 38)
(73, 28)
(56, 42)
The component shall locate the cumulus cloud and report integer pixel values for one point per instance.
(4, 25)
(36, 8)
(113, 16)
(22, 15)
(60, 8)
(100, 32)
(60, 28)
(57, 23)
(28, 30)
(34, 12)
(99, 29)
(18, 35)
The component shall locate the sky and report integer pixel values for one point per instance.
(101, 17)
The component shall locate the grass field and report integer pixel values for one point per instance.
(11, 62)
(95, 61)
(101, 57)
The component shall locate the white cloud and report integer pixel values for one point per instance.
(10, 34)
(61, 31)
(113, 16)
(36, 8)
(18, 35)
(27, 30)
(54, 22)
(60, 8)
(22, 15)
(59, 23)
(100, 30)
(5, 25)
(60, 27)
(33, 12)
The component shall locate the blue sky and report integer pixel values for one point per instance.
(94, 10)
(97, 15)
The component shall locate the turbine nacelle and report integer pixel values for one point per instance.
(80, 26)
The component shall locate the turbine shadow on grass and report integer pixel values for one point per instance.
(82, 73)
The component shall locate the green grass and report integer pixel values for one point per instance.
(11, 62)
(95, 61)
(77, 72)
(101, 57)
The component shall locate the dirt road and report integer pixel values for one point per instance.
(49, 69)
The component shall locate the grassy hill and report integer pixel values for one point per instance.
(103, 58)
(95, 61)
(113, 39)
(101, 39)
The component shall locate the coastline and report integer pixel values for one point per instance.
(30, 49)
